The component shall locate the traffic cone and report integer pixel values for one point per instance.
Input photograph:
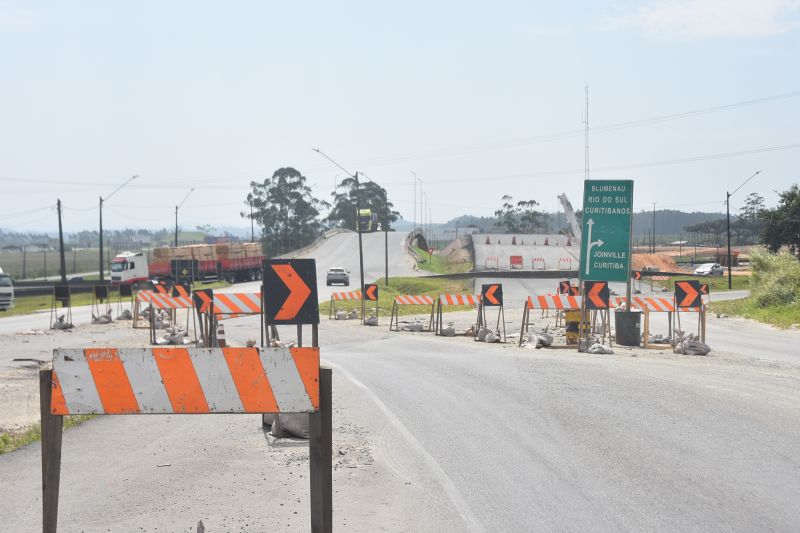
(514, 240)
(221, 337)
(546, 242)
(569, 241)
(487, 240)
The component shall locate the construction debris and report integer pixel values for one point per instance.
(102, 319)
(689, 344)
(598, 348)
(492, 336)
(538, 339)
(372, 320)
(416, 325)
(449, 330)
(275, 343)
(61, 324)
(125, 315)
(175, 337)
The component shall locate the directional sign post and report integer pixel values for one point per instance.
(371, 295)
(606, 237)
(290, 292)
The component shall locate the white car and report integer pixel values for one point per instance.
(709, 269)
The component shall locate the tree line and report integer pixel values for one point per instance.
(289, 216)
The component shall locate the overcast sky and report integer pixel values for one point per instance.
(480, 99)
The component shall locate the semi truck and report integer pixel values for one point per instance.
(232, 262)
(6, 291)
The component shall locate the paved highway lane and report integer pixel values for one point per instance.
(536, 440)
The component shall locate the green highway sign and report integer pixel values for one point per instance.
(606, 237)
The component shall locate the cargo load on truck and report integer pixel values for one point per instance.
(232, 262)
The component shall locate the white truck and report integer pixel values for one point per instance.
(6, 291)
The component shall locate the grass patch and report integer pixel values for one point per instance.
(781, 316)
(715, 283)
(398, 286)
(14, 441)
(439, 265)
(24, 305)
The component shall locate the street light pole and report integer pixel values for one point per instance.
(115, 191)
(414, 225)
(176, 214)
(654, 228)
(728, 213)
(358, 208)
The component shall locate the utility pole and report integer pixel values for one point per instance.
(586, 134)
(63, 270)
(654, 227)
(115, 191)
(252, 227)
(358, 229)
(24, 260)
(176, 214)
(728, 210)
(414, 225)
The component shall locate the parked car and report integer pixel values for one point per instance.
(709, 269)
(338, 275)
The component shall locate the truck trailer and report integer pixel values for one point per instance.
(232, 262)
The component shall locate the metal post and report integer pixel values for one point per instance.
(386, 247)
(728, 210)
(52, 427)
(320, 448)
(63, 270)
(176, 226)
(101, 239)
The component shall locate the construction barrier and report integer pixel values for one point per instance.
(516, 261)
(410, 299)
(547, 302)
(446, 300)
(346, 296)
(131, 381)
(236, 304)
(492, 262)
(538, 263)
(565, 263)
(657, 304)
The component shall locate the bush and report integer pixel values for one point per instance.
(776, 278)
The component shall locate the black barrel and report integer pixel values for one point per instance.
(628, 325)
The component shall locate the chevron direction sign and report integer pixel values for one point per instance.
(606, 237)
(290, 291)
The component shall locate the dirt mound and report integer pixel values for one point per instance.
(663, 262)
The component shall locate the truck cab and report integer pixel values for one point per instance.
(6, 291)
(129, 268)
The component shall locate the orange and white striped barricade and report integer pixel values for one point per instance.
(491, 262)
(447, 300)
(656, 304)
(410, 299)
(557, 302)
(236, 304)
(164, 302)
(346, 296)
(178, 381)
(538, 263)
(565, 263)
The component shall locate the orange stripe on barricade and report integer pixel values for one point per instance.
(307, 362)
(251, 382)
(231, 307)
(253, 306)
(180, 380)
(458, 299)
(111, 381)
(58, 405)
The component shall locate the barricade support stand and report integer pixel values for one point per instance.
(52, 428)
(501, 317)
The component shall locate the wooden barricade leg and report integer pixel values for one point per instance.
(52, 427)
(320, 447)
(430, 322)
(703, 324)
(646, 335)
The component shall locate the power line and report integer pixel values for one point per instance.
(576, 171)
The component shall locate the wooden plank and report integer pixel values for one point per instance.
(52, 427)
